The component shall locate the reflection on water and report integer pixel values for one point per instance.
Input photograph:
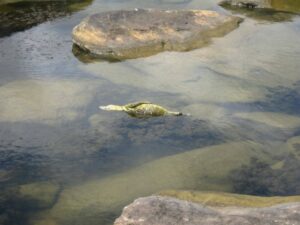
(63, 161)
(22, 15)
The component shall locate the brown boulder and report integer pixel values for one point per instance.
(141, 32)
(156, 210)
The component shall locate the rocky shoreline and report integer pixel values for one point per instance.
(162, 210)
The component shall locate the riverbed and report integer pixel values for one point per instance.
(241, 92)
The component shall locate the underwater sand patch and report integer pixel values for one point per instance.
(279, 120)
(47, 102)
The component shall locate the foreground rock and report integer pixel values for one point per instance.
(223, 199)
(156, 210)
(142, 32)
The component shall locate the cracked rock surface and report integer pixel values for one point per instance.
(157, 210)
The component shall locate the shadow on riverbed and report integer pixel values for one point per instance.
(22, 15)
(260, 178)
(279, 99)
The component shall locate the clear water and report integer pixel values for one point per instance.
(242, 92)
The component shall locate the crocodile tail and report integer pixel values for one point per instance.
(175, 113)
(178, 114)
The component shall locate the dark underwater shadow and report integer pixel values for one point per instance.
(86, 57)
(280, 99)
(22, 15)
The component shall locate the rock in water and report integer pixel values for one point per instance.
(142, 32)
(292, 6)
(249, 3)
(38, 195)
(155, 210)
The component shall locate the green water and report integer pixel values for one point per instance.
(63, 161)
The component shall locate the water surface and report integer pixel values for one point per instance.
(242, 92)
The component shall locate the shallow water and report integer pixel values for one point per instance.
(242, 91)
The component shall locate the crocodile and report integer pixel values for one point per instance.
(142, 109)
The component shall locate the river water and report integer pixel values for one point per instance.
(63, 161)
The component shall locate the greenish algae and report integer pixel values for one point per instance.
(271, 12)
(286, 5)
(43, 194)
(293, 146)
(222, 199)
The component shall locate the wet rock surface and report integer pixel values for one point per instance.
(280, 5)
(224, 199)
(249, 3)
(164, 210)
(142, 32)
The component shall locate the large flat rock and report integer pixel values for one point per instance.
(156, 210)
(141, 32)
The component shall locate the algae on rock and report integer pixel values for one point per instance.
(165, 210)
(223, 199)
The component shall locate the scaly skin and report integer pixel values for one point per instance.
(141, 110)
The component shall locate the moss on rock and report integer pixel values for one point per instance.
(222, 199)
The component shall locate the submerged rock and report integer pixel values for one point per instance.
(39, 195)
(263, 10)
(249, 3)
(5, 175)
(18, 202)
(202, 169)
(165, 210)
(281, 5)
(294, 146)
(142, 32)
